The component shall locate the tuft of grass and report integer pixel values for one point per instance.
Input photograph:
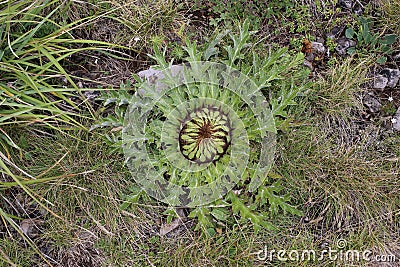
(391, 11)
(337, 91)
(134, 24)
(85, 198)
(34, 46)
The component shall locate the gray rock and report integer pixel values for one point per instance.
(342, 44)
(396, 120)
(392, 75)
(358, 10)
(308, 64)
(380, 82)
(317, 51)
(334, 32)
(346, 3)
(30, 227)
(318, 47)
(372, 103)
(153, 76)
(91, 94)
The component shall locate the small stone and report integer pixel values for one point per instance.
(396, 57)
(309, 57)
(318, 47)
(168, 227)
(343, 44)
(380, 82)
(30, 227)
(358, 10)
(392, 75)
(334, 32)
(91, 94)
(396, 120)
(346, 3)
(324, 244)
(153, 76)
(308, 64)
(372, 103)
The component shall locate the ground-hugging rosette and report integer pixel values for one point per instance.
(198, 132)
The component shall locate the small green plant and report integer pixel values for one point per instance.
(370, 42)
(389, 108)
(331, 45)
(258, 12)
(177, 52)
(296, 43)
(208, 113)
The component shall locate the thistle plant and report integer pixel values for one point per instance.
(202, 135)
